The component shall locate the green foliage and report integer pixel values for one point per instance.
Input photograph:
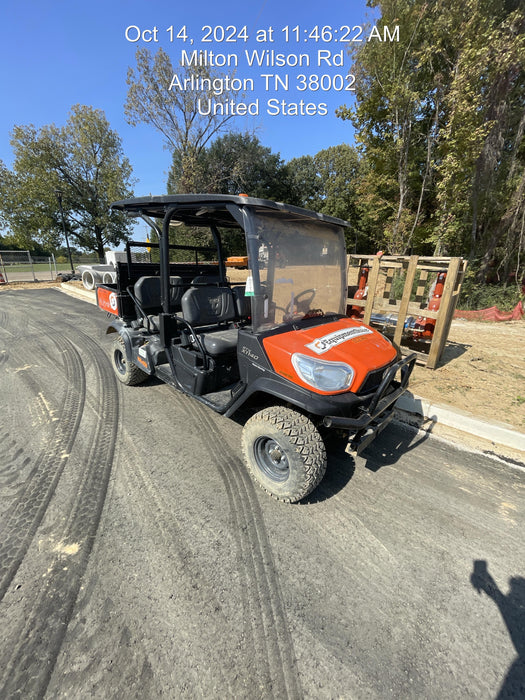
(190, 236)
(236, 163)
(82, 159)
(482, 295)
(178, 114)
(306, 183)
(327, 183)
(440, 124)
(475, 295)
(10, 243)
(232, 164)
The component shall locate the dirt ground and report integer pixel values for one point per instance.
(29, 285)
(482, 369)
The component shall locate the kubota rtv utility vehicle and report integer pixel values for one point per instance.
(279, 344)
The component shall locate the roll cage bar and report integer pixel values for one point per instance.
(212, 211)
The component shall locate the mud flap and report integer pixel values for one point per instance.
(364, 437)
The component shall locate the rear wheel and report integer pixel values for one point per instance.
(126, 371)
(284, 452)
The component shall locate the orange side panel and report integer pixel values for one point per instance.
(107, 300)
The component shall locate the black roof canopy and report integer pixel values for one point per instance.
(214, 209)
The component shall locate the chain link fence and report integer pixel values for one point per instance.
(21, 266)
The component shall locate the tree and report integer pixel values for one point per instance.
(233, 164)
(176, 103)
(82, 159)
(393, 116)
(481, 163)
(338, 169)
(440, 119)
(236, 163)
(10, 243)
(327, 183)
(307, 186)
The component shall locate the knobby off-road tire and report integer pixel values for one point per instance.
(284, 452)
(126, 371)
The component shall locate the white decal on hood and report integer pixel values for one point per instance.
(322, 345)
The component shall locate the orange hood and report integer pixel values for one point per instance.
(346, 340)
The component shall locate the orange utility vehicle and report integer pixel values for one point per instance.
(278, 345)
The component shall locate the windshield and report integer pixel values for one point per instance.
(298, 269)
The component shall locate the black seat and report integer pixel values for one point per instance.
(147, 293)
(206, 306)
(212, 309)
(220, 342)
(206, 279)
(243, 304)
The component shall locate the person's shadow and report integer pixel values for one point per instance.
(512, 609)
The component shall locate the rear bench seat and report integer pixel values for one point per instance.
(147, 293)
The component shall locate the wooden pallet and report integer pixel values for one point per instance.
(418, 273)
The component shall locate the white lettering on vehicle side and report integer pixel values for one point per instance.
(322, 345)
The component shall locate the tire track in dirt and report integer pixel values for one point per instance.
(14, 328)
(267, 628)
(32, 660)
(25, 515)
(12, 456)
(3, 319)
(269, 648)
(4, 356)
(14, 470)
(162, 515)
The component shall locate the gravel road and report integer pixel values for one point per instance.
(138, 560)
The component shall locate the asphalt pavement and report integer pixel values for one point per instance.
(138, 559)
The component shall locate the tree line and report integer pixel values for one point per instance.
(438, 165)
(440, 121)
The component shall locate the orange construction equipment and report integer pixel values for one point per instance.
(238, 261)
(424, 327)
(361, 293)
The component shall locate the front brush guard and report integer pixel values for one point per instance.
(376, 416)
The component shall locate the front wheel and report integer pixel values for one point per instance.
(284, 452)
(126, 371)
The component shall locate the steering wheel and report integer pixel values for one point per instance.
(301, 301)
(301, 306)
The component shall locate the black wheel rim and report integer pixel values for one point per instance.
(120, 361)
(271, 459)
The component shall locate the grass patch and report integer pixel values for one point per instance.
(37, 267)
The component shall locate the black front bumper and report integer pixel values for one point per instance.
(378, 412)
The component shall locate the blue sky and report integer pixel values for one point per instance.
(57, 54)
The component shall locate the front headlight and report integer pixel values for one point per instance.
(321, 374)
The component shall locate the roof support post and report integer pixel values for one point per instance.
(164, 248)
